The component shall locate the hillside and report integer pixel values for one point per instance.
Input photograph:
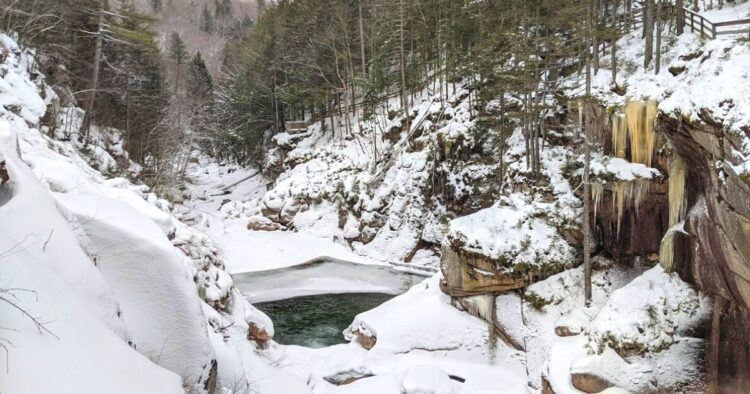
(377, 197)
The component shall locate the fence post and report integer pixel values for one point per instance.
(702, 26)
(692, 28)
(713, 31)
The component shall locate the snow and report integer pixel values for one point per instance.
(605, 167)
(123, 286)
(426, 379)
(510, 231)
(249, 251)
(418, 334)
(730, 12)
(144, 286)
(649, 314)
(547, 354)
(68, 296)
(156, 292)
(323, 277)
(715, 81)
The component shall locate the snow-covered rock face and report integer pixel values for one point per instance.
(649, 314)
(705, 116)
(701, 81)
(523, 236)
(383, 195)
(118, 286)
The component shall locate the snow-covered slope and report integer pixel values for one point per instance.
(701, 80)
(102, 287)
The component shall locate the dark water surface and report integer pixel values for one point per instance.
(317, 321)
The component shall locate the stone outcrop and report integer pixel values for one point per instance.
(365, 340)
(466, 273)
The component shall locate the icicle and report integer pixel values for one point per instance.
(677, 206)
(677, 210)
(641, 120)
(666, 251)
(597, 189)
(636, 113)
(619, 201)
(640, 190)
(619, 135)
(652, 110)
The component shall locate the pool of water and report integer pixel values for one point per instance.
(317, 321)
(311, 304)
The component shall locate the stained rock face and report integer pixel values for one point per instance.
(641, 229)
(468, 273)
(714, 252)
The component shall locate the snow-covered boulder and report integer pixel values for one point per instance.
(157, 294)
(649, 314)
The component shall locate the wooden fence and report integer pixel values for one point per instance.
(699, 24)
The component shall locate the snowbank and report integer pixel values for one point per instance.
(649, 314)
(70, 306)
(157, 295)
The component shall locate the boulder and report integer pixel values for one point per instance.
(259, 335)
(365, 340)
(262, 223)
(466, 273)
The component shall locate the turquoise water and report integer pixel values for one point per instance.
(317, 321)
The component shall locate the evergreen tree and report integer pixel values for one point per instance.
(199, 83)
(156, 6)
(200, 97)
(261, 4)
(207, 20)
(178, 53)
(177, 49)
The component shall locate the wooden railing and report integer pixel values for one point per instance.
(698, 23)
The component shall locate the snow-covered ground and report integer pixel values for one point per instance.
(729, 12)
(416, 333)
(323, 277)
(224, 218)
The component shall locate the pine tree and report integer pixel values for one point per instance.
(207, 20)
(178, 53)
(156, 6)
(199, 83)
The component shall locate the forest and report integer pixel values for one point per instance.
(374, 196)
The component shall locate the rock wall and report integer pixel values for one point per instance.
(714, 251)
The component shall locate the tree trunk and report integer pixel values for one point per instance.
(615, 30)
(594, 36)
(680, 15)
(648, 30)
(657, 65)
(362, 43)
(586, 209)
(402, 63)
(86, 127)
(586, 185)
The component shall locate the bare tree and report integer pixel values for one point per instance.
(94, 73)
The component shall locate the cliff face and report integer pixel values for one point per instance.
(714, 251)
